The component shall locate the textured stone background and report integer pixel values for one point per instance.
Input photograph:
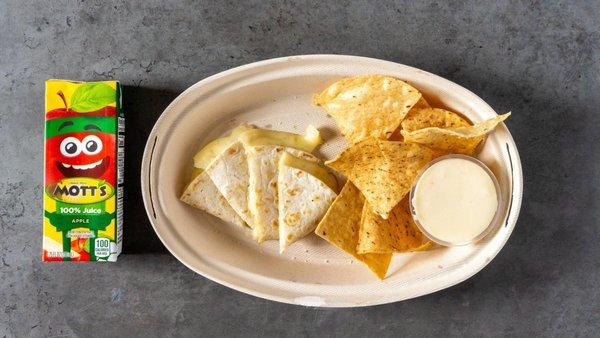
(537, 58)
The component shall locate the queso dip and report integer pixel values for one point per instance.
(455, 200)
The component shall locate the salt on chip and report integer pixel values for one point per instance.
(341, 224)
(421, 104)
(383, 171)
(398, 233)
(459, 140)
(432, 117)
(368, 105)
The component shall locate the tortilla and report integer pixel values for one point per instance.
(368, 106)
(229, 173)
(384, 171)
(426, 246)
(314, 168)
(263, 150)
(459, 140)
(262, 188)
(303, 198)
(421, 116)
(209, 152)
(398, 233)
(432, 117)
(422, 103)
(341, 224)
(202, 193)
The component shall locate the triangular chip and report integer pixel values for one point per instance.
(421, 104)
(203, 194)
(368, 105)
(229, 173)
(384, 171)
(398, 233)
(304, 197)
(432, 117)
(426, 246)
(460, 140)
(341, 224)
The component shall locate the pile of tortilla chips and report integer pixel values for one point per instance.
(393, 133)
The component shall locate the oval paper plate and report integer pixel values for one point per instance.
(277, 94)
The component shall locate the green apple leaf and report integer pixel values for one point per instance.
(92, 96)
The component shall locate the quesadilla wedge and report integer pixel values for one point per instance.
(229, 173)
(263, 149)
(202, 193)
(306, 190)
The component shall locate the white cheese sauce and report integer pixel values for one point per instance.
(454, 200)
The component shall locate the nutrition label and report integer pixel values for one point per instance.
(120, 176)
(102, 247)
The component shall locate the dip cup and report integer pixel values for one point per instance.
(486, 230)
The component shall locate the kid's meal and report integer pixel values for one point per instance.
(271, 186)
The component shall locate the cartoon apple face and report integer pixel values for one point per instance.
(81, 154)
(80, 137)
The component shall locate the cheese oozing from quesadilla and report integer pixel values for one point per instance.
(209, 152)
(306, 190)
(263, 150)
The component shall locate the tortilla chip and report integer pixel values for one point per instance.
(398, 233)
(432, 117)
(368, 106)
(384, 171)
(421, 104)
(460, 140)
(341, 224)
(426, 246)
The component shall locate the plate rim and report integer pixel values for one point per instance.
(511, 217)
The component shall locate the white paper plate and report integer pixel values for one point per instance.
(277, 94)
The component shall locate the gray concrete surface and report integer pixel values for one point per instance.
(540, 59)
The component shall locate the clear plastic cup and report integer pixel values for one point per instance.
(495, 219)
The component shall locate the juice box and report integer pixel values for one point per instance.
(83, 171)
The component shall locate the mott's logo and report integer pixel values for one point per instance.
(80, 190)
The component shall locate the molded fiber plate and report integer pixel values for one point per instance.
(277, 94)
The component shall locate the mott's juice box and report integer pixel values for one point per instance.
(83, 176)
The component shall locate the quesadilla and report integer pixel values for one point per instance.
(209, 152)
(229, 173)
(202, 193)
(306, 190)
(263, 149)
